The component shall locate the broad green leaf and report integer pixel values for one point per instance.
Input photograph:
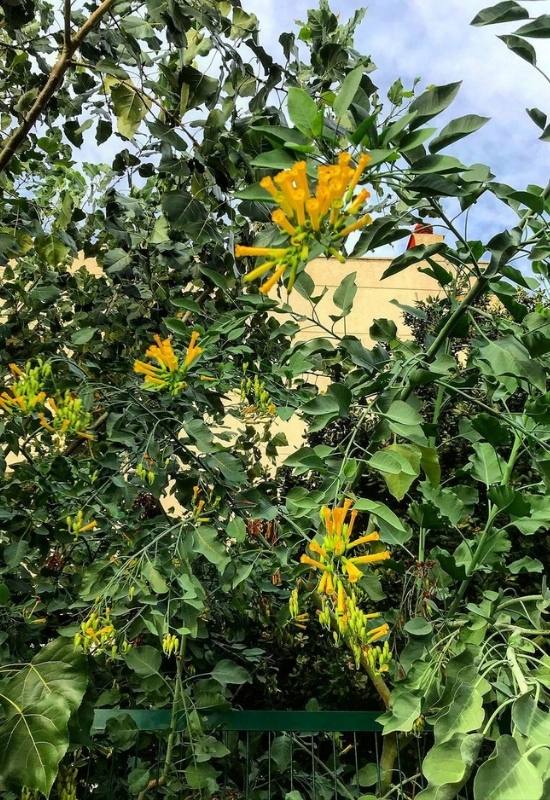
(303, 111)
(227, 671)
(38, 702)
(531, 720)
(448, 766)
(464, 714)
(538, 28)
(487, 466)
(201, 776)
(404, 420)
(254, 192)
(130, 108)
(274, 159)
(508, 11)
(418, 626)
(206, 543)
(83, 335)
(405, 708)
(392, 530)
(412, 256)
(508, 774)
(449, 762)
(432, 102)
(56, 669)
(154, 578)
(520, 47)
(436, 163)
(399, 465)
(144, 661)
(33, 740)
(457, 129)
(345, 293)
(347, 91)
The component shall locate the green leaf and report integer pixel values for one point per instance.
(274, 159)
(502, 12)
(347, 91)
(391, 528)
(254, 192)
(144, 661)
(83, 335)
(465, 713)
(228, 671)
(508, 774)
(418, 626)
(526, 564)
(449, 762)
(201, 776)
(487, 466)
(344, 294)
(38, 702)
(538, 28)
(412, 256)
(154, 578)
(405, 709)
(520, 47)
(206, 543)
(32, 743)
(457, 129)
(303, 111)
(530, 720)
(130, 108)
(405, 420)
(432, 102)
(399, 465)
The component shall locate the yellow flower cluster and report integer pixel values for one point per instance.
(67, 416)
(322, 217)
(170, 644)
(170, 370)
(76, 524)
(97, 635)
(255, 399)
(340, 572)
(26, 393)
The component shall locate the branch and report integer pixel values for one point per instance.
(55, 78)
(67, 24)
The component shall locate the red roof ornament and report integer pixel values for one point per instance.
(420, 227)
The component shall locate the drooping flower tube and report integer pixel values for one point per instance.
(313, 217)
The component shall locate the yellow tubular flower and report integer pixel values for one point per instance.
(281, 220)
(353, 573)
(269, 186)
(378, 633)
(313, 208)
(305, 559)
(368, 537)
(372, 558)
(266, 287)
(193, 351)
(259, 271)
(275, 252)
(364, 160)
(358, 202)
(366, 219)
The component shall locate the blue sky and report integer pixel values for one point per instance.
(433, 40)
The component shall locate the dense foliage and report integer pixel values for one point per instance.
(156, 551)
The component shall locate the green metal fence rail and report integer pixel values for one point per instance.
(324, 755)
(234, 720)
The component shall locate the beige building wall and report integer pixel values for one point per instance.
(374, 295)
